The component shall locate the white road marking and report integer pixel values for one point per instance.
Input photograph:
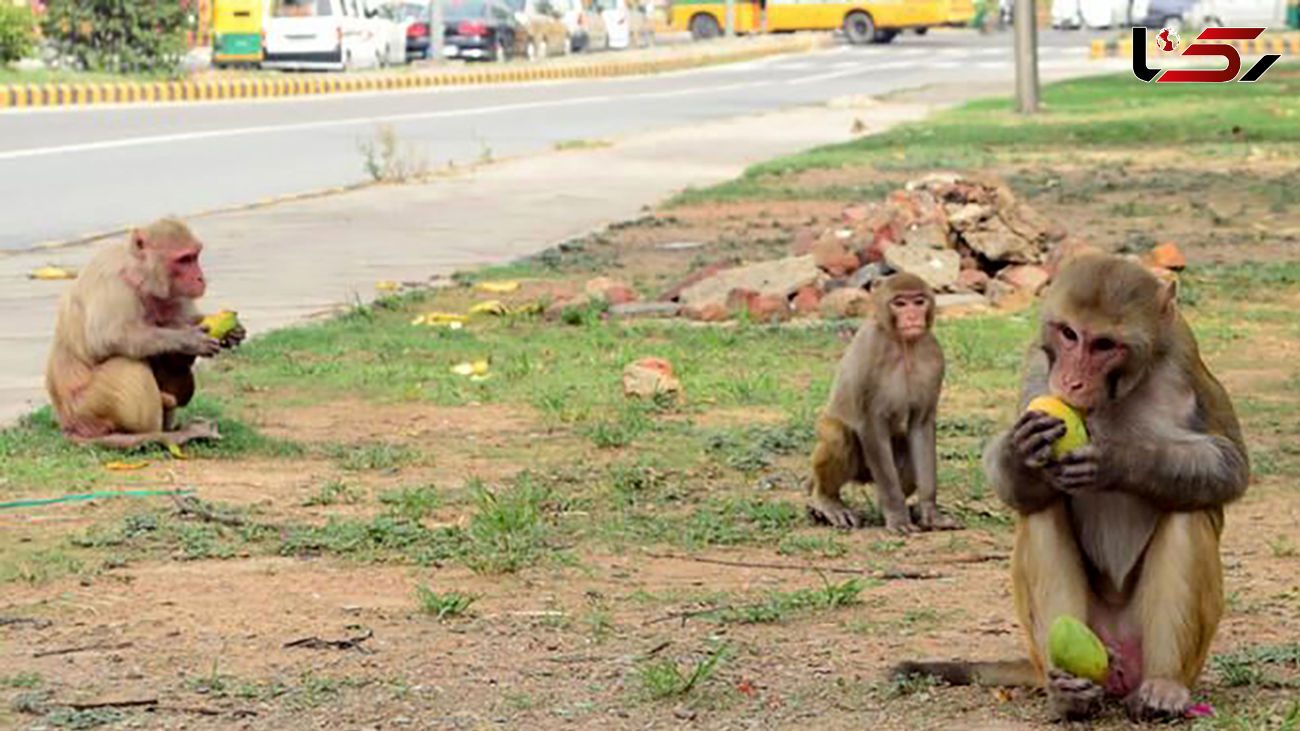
(860, 69)
(356, 121)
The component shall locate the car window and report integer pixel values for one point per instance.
(302, 9)
(415, 11)
(464, 8)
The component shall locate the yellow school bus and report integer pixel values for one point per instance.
(237, 32)
(863, 21)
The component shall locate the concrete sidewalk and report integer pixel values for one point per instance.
(280, 264)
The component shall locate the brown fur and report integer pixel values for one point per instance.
(879, 425)
(119, 324)
(1124, 532)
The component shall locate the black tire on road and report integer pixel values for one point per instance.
(859, 28)
(705, 27)
(921, 31)
(883, 36)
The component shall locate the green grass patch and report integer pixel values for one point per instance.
(1116, 112)
(411, 503)
(780, 605)
(664, 678)
(446, 605)
(508, 531)
(38, 460)
(1256, 667)
(334, 492)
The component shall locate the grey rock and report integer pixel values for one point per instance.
(779, 277)
(939, 268)
(646, 309)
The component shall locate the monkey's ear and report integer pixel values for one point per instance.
(138, 241)
(1167, 296)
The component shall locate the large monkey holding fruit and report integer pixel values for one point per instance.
(127, 335)
(879, 425)
(1122, 532)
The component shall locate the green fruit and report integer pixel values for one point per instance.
(1076, 434)
(220, 324)
(1072, 647)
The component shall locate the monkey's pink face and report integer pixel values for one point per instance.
(1083, 364)
(186, 274)
(910, 310)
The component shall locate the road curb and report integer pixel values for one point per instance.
(62, 95)
(1267, 43)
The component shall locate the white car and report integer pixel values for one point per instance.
(332, 35)
(1268, 13)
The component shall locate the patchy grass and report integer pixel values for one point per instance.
(618, 563)
(446, 605)
(1198, 120)
(664, 678)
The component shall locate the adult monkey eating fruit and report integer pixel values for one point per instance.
(879, 425)
(126, 338)
(1122, 532)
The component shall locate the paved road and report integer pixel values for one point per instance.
(67, 172)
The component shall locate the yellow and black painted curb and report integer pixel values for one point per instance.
(1288, 43)
(55, 95)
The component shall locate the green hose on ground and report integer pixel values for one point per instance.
(37, 502)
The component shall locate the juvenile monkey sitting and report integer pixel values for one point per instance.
(879, 425)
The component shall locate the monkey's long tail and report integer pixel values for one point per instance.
(1002, 673)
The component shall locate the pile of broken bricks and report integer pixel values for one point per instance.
(967, 236)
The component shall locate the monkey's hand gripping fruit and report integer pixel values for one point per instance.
(1072, 647)
(1076, 434)
(220, 325)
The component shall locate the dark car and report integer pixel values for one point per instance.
(482, 30)
(1161, 13)
(418, 40)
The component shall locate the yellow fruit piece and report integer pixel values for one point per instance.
(175, 449)
(439, 318)
(488, 307)
(475, 368)
(220, 324)
(1076, 434)
(125, 466)
(498, 287)
(387, 285)
(50, 274)
(1072, 647)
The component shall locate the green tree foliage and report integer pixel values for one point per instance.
(121, 36)
(17, 33)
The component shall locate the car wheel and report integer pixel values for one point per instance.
(705, 27)
(859, 28)
(921, 31)
(884, 36)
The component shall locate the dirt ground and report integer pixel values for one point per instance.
(564, 645)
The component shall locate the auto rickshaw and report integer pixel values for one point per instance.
(237, 32)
